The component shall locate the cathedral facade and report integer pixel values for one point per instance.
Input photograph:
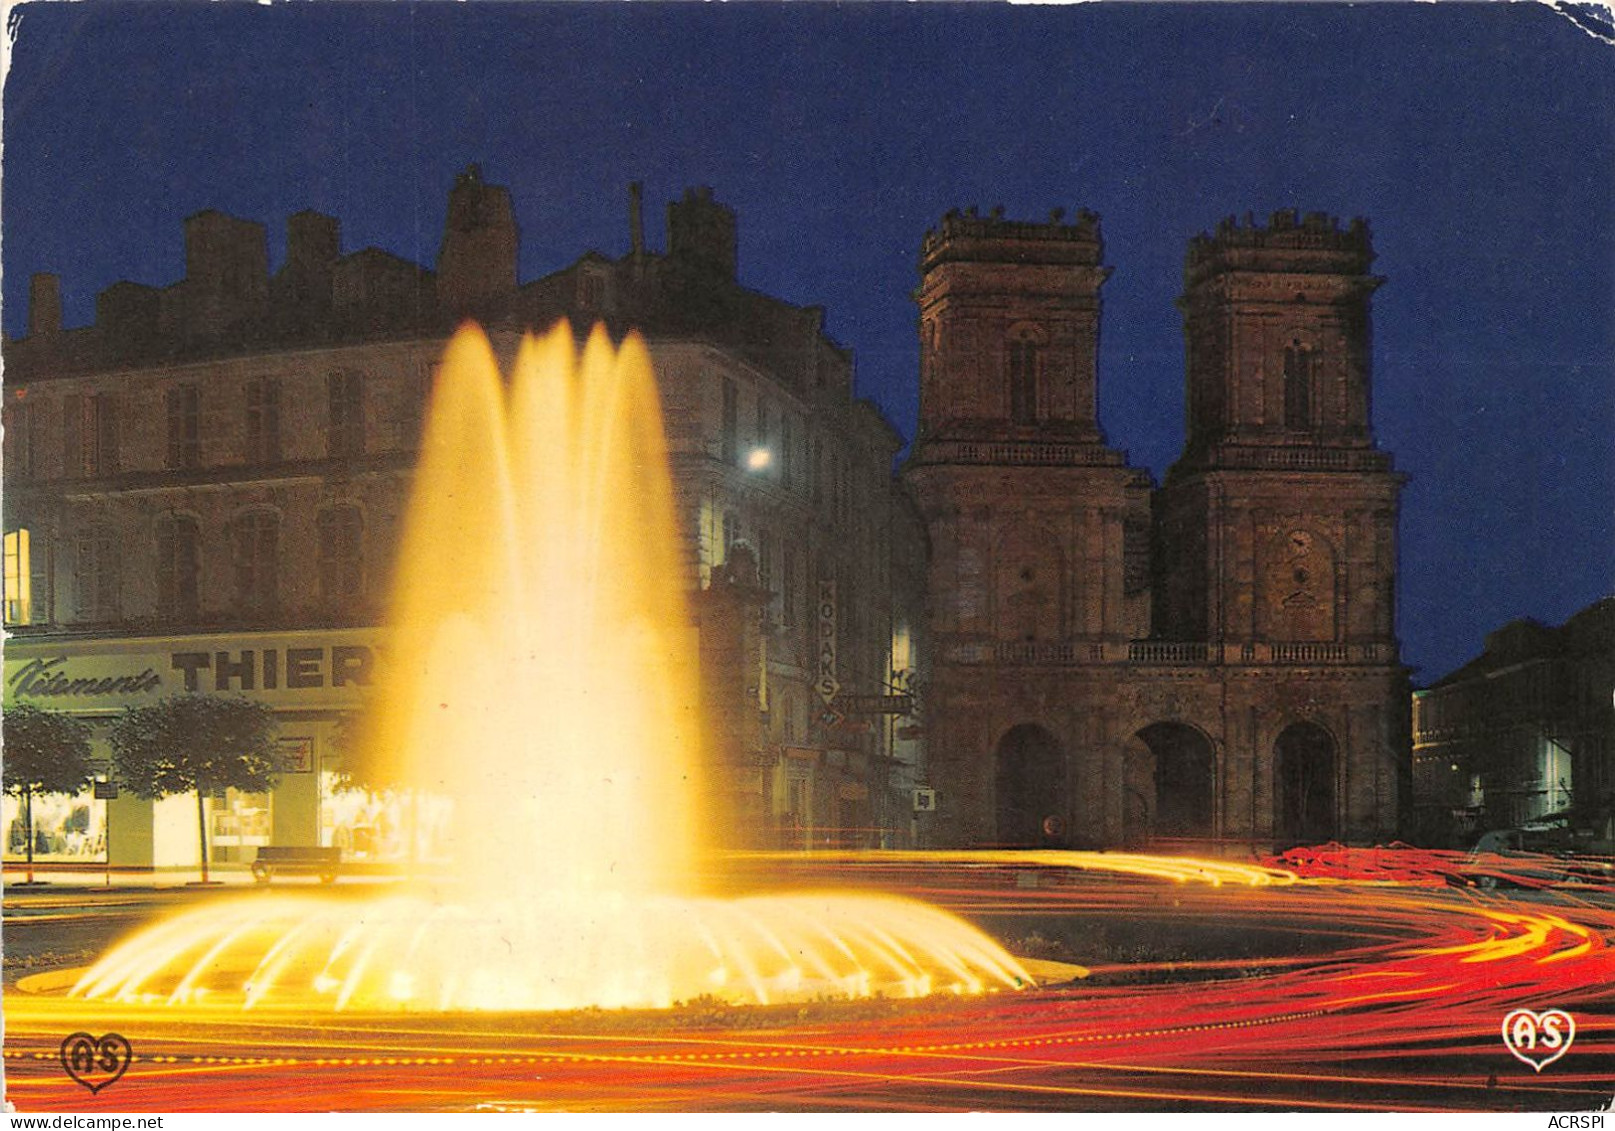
(1118, 663)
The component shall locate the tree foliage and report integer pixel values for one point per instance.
(356, 765)
(45, 751)
(195, 742)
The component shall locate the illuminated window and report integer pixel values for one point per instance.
(341, 555)
(1297, 387)
(263, 420)
(95, 578)
(19, 605)
(256, 537)
(184, 427)
(902, 655)
(177, 567)
(345, 398)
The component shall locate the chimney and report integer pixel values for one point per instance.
(701, 235)
(636, 218)
(44, 305)
(313, 241)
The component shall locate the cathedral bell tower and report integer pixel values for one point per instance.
(1278, 524)
(1009, 329)
(1039, 532)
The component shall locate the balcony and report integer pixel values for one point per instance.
(1166, 653)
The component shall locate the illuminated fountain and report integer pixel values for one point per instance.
(541, 674)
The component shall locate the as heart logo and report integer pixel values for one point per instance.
(96, 1062)
(1539, 1039)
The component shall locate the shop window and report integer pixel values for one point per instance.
(345, 413)
(18, 579)
(67, 827)
(178, 567)
(388, 826)
(256, 545)
(263, 420)
(184, 427)
(96, 577)
(239, 820)
(341, 532)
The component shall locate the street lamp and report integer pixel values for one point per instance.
(759, 459)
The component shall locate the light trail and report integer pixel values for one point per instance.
(1352, 996)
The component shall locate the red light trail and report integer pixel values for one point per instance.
(1249, 990)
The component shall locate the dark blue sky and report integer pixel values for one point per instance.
(1478, 139)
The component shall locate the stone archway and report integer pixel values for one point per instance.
(1304, 759)
(1030, 787)
(1184, 787)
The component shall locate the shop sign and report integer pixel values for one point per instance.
(107, 675)
(53, 677)
(876, 704)
(304, 668)
(826, 683)
(296, 755)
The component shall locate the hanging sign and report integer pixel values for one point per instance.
(826, 683)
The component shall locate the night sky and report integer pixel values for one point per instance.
(1478, 139)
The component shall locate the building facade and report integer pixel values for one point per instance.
(1524, 733)
(1115, 663)
(204, 490)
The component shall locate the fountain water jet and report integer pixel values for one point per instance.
(541, 668)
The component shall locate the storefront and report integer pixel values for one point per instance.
(312, 680)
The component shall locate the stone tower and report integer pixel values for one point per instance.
(1276, 529)
(1216, 663)
(476, 264)
(1039, 532)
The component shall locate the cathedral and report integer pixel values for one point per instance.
(1115, 663)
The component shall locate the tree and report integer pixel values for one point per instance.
(195, 742)
(357, 767)
(353, 768)
(45, 752)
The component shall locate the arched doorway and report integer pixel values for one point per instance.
(1185, 780)
(1304, 785)
(1031, 788)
